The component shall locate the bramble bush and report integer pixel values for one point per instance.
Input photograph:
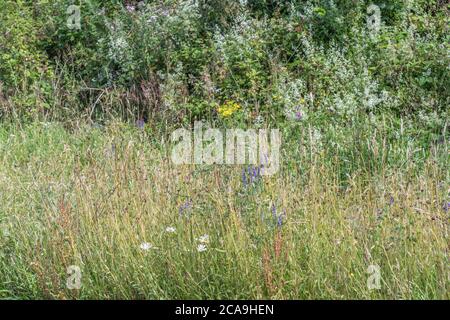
(25, 71)
(182, 59)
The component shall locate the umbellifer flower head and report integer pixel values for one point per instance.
(203, 239)
(146, 246)
(171, 229)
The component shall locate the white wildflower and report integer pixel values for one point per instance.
(201, 247)
(170, 229)
(203, 239)
(146, 246)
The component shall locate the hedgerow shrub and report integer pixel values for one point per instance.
(184, 58)
(25, 71)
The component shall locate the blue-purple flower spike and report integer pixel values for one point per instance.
(280, 218)
(280, 221)
(244, 178)
(274, 211)
(255, 173)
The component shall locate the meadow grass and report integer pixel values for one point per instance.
(92, 197)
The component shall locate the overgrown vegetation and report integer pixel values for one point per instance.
(85, 171)
(93, 199)
(186, 57)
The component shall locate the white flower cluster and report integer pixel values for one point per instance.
(172, 86)
(203, 241)
(239, 39)
(294, 98)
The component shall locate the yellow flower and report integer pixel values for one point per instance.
(228, 108)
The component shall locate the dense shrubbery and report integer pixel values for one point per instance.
(185, 58)
(25, 72)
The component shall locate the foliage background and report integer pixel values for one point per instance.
(180, 59)
(85, 175)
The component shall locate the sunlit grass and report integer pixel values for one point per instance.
(92, 198)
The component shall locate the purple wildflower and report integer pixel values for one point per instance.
(140, 124)
(298, 113)
(251, 175)
(391, 200)
(274, 211)
(446, 206)
(280, 221)
(130, 8)
(244, 178)
(185, 206)
(280, 218)
(255, 173)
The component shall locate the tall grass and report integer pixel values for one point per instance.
(91, 197)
